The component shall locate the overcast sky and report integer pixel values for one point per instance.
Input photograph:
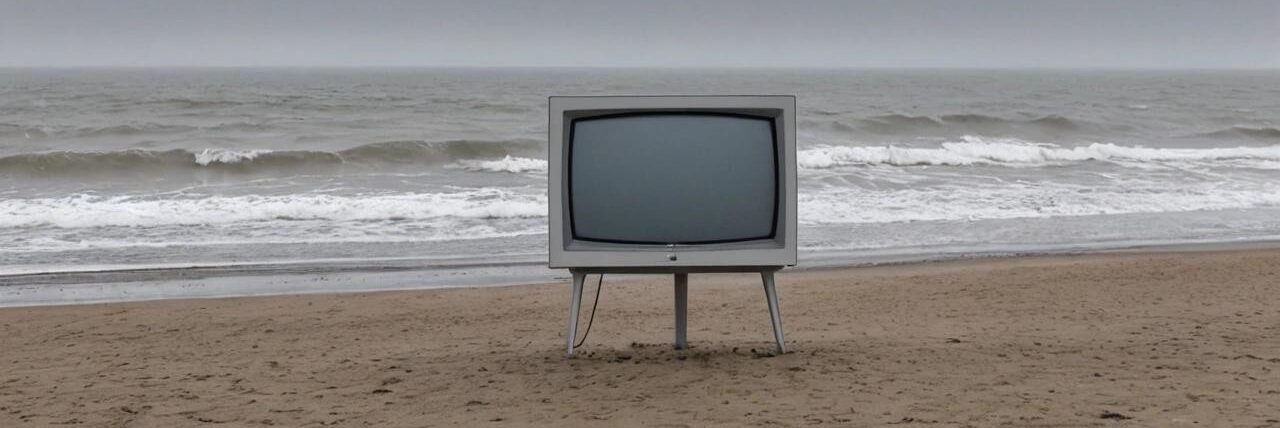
(681, 33)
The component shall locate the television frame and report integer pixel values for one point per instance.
(564, 251)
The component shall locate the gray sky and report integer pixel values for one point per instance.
(710, 33)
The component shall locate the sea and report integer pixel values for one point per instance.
(149, 169)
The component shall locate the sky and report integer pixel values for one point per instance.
(656, 33)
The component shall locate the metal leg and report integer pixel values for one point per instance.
(771, 293)
(682, 309)
(575, 303)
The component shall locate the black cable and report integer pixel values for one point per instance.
(592, 320)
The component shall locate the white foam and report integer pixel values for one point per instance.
(1012, 152)
(507, 164)
(1263, 164)
(208, 156)
(1009, 200)
(445, 231)
(454, 260)
(93, 211)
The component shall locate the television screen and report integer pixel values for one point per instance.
(673, 178)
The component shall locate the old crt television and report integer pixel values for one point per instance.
(672, 183)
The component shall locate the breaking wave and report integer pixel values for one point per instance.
(1012, 152)
(507, 164)
(370, 155)
(82, 211)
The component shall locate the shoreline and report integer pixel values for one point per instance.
(1174, 338)
(340, 276)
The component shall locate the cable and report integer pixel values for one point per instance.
(592, 320)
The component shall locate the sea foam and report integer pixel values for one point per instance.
(973, 150)
(82, 211)
(965, 202)
(507, 164)
(208, 156)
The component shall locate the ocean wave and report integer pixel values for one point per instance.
(1013, 152)
(208, 156)
(194, 103)
(135, 130)
(907, 124)
(82, 211)
(388, 235)
(1245, 131)
(507, 164)
(1055, 121)
(130, 130)
(239, 127)
(971, 118)
(257, 160)
(501, 108)
(127, 130)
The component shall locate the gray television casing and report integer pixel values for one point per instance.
(566, 252)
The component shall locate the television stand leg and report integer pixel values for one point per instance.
(682, 310)
(771, 293)
(575, 303)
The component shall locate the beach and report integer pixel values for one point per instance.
(1138, 338)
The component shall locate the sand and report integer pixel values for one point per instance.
(1142, 339)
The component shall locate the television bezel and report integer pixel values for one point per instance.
(564, 251)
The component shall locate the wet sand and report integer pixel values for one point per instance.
(1188, 338)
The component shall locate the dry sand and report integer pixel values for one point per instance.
(1155, 339)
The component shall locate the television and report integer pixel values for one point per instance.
(672, 184)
